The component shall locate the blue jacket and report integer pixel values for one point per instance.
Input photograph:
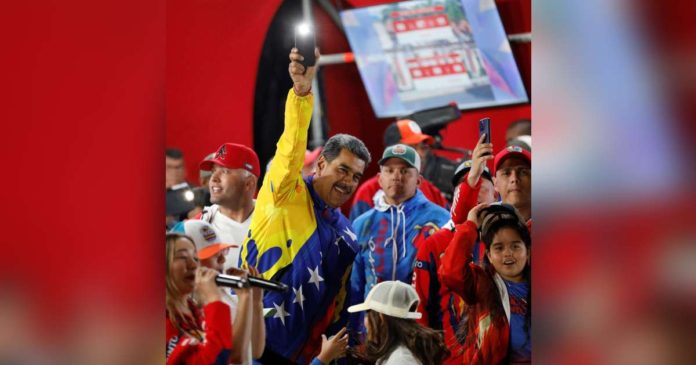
(389, 237)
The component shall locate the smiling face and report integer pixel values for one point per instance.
(398, 180)
(508, 254)
(183, 265)
(336, 181)
(230, 187)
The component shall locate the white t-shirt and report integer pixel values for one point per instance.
(229, 231)
(400, 356)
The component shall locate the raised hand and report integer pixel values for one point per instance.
(482, 153)
(301, 77)
(474, 213)
(334, 347)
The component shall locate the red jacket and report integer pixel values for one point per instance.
(441, 309)
(217, 339)
(488, 338)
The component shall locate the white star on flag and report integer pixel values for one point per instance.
(314, 277)
(299, 298)
(280, 312)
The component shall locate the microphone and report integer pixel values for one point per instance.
(233, 281)
(267, 284)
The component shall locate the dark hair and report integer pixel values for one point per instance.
(497, 311)
(524, 124)
(335, 144)
(392, 135)
(425, 343)
(174, 153)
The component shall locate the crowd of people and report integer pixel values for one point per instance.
(417, 274)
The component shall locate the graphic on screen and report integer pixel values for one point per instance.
(418, 55)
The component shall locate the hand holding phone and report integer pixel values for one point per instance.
(485, 128)
(305, 44)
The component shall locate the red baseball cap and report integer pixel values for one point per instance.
(234, 156)
(511, 151)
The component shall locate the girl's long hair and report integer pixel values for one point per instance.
(176, 301)
(497, 310)
(386, 333)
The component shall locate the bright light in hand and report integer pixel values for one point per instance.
(188, 195)
(303, 29)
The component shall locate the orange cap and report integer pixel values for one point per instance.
(411, 133)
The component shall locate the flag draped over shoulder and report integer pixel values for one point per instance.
(295, 238)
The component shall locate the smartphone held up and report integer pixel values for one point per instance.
(305, 43)
(485, 128)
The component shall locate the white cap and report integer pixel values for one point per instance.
(204, 236)
(393, 298)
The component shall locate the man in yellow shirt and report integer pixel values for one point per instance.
(299, 236)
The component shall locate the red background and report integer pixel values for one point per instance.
(213, 54)
(83, 126)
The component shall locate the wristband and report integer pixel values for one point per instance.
(300, 94)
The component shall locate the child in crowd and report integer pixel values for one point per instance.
(497, 326)
(393, 335)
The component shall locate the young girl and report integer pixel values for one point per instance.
(189, 340)
(497, 326)
(393, 335)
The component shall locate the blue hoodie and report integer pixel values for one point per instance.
(389, 236)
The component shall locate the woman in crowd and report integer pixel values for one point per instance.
(188, 339)
(393, 335)
(497, 326)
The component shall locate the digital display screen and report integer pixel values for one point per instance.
(417, 55)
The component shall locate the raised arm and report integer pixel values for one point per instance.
(457, 271)
(285, 170)
(466, 193)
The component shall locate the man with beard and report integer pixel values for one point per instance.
(390, 233)
(235, 170)
(298, 235)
